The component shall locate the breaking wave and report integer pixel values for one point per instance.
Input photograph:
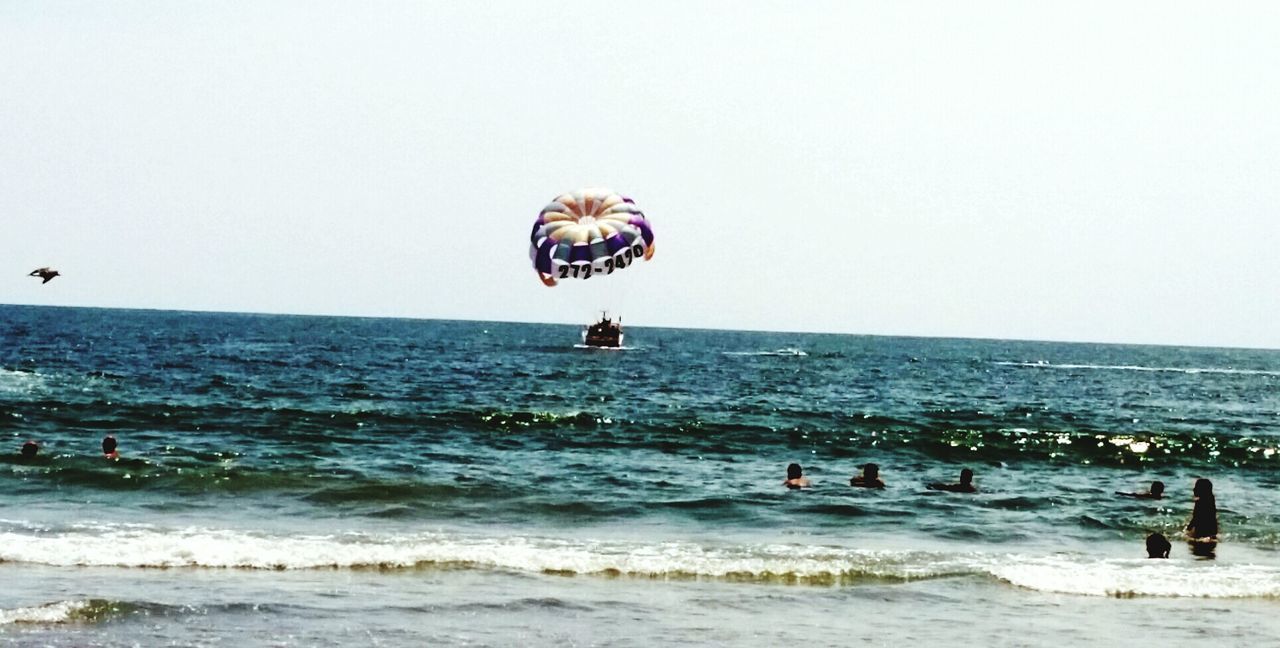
(146, 546)
(57, 612)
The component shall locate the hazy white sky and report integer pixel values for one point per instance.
(1081, 171)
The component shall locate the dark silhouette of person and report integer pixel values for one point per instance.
(1203, 525)
(870, 477)
(1158, 546)
(29, 450)
(965, 485)
(44, 273)
(109, 448)
(795, 477)
(1156, 492)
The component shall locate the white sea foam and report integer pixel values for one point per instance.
(19, 382)
(59, 612)
(143, 546)
(1183, 370)
(1140, 577)
(788, 351)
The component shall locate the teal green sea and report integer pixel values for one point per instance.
(290, 480)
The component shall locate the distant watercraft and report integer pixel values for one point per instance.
(605, 334)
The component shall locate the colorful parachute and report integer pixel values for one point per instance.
(588, 233)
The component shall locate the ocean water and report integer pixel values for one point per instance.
(343, 481)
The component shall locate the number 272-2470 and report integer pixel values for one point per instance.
(616, 262)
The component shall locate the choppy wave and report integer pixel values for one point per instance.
(783, 352)
(944, 436)
(1181, 370)
(57, 612)
(144, 546)
(69, 611)
(17, 381)
(96, 610)
(1140, 577)
(292, 422)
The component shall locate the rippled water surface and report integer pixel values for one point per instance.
(314, 480)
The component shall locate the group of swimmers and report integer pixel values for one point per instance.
(870, 478)
(1201, 529)
(31, 449)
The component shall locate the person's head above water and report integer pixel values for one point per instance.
(1203, 488)
(29, 450)
(795, 477)
(965, 485)
(1158, 546)
(108, 445)
(870, 477)
(1157, 488)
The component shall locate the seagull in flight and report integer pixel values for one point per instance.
(44, 273)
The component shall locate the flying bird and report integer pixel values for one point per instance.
(44, 273)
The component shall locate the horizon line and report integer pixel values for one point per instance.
(651, 326)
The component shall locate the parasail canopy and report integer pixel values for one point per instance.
(588, 233)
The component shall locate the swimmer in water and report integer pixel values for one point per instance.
(1203, 525)
(870, 477)
(1156, 492)
(109, 448)
(965, 485)
(1158, 546)
(29, 450)
(795, 477)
